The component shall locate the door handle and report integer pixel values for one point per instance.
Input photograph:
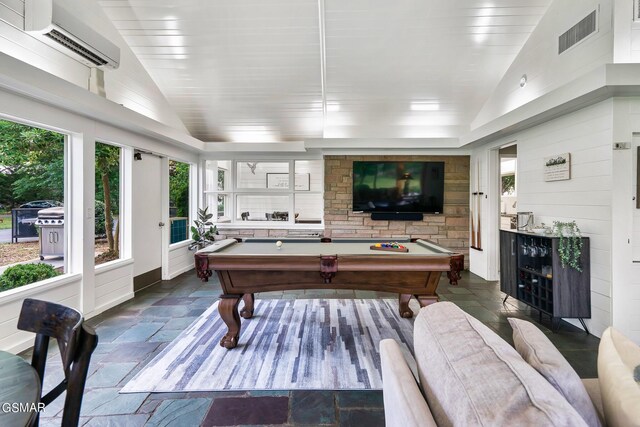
(513, 249)
(161, 224)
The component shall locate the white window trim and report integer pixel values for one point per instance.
(234, 192)
(193, 206)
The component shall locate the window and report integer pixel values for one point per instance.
(32, 213)
(179, 201)
(508, 176)
(107, 209)
(280, 191)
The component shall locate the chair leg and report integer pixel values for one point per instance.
(78, 377)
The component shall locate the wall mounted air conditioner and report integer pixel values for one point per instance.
(63, 31)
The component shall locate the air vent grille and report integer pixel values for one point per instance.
(577, 33)
(75, 47)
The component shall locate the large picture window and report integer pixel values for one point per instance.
(283, 192)
(32, 212)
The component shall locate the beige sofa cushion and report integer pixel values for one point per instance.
(593, 389)
(617, 357)
(536, 349)
(471, 376)
(404, 405)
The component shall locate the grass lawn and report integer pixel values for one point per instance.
(5, 222)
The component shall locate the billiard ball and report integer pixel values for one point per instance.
(279, 244)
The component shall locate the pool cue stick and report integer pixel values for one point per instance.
(473, 228)
(479, 208)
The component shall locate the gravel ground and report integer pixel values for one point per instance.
(10, 253)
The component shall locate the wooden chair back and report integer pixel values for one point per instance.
(76, 342)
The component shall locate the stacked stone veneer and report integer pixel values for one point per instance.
(450, 229)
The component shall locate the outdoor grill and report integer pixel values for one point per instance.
(51, 224)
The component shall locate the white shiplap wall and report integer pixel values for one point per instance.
(12, 12)
(180, 259)
(585, 198)
(66, 291)
(539, 59)
(113, 285)
(626, 225)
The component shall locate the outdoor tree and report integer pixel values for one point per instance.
(179, 187)
(31, 164)
(107, 171)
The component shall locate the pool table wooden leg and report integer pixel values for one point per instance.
(247, 310)
(228, 309)
(426, 300)
(403, 302)
(457, 265)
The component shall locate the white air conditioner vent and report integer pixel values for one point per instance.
(77, 48)
(59, 28)
(578, 32)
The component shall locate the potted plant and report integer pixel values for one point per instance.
(570, 244)
(204, 232)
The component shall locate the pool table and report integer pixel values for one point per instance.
(259, 265)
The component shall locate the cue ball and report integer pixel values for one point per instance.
(278, 244)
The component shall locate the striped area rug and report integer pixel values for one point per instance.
(305, 344)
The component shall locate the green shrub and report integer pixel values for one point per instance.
(23, 274)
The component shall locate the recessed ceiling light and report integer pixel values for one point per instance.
(425, 106)
(333, 106)
(523, 80)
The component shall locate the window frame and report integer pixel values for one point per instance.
(69, 138)
(233, 191)
(190, 203)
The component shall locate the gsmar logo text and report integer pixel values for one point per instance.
(22, 407)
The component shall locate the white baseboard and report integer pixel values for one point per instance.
(180, 271)
(110, 304)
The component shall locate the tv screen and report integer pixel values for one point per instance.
(398, 186)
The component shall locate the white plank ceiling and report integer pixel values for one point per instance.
(290, 70)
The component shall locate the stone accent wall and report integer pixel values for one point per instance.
(450, 229)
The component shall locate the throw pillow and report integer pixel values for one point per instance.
(617, 357)
(544, 357)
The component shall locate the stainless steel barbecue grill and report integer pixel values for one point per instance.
(51, 224)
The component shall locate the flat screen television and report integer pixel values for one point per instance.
(398, 186)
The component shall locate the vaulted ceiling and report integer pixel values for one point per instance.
(291, 70)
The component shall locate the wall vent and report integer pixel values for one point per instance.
(636, 10)
(577, 33)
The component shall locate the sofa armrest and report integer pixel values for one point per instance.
(404, 404)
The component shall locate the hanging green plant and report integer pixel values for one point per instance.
(570, 244)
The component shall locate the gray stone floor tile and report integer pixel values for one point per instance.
(163, 335)
(312, 407)
(130, 352)
(108, 401)
(359, 399)
(140, 332)
(109, 374)
(137, 420)
(361, 417)
(180, 412)
(180, 323)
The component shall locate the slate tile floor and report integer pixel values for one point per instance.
(133, 333)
